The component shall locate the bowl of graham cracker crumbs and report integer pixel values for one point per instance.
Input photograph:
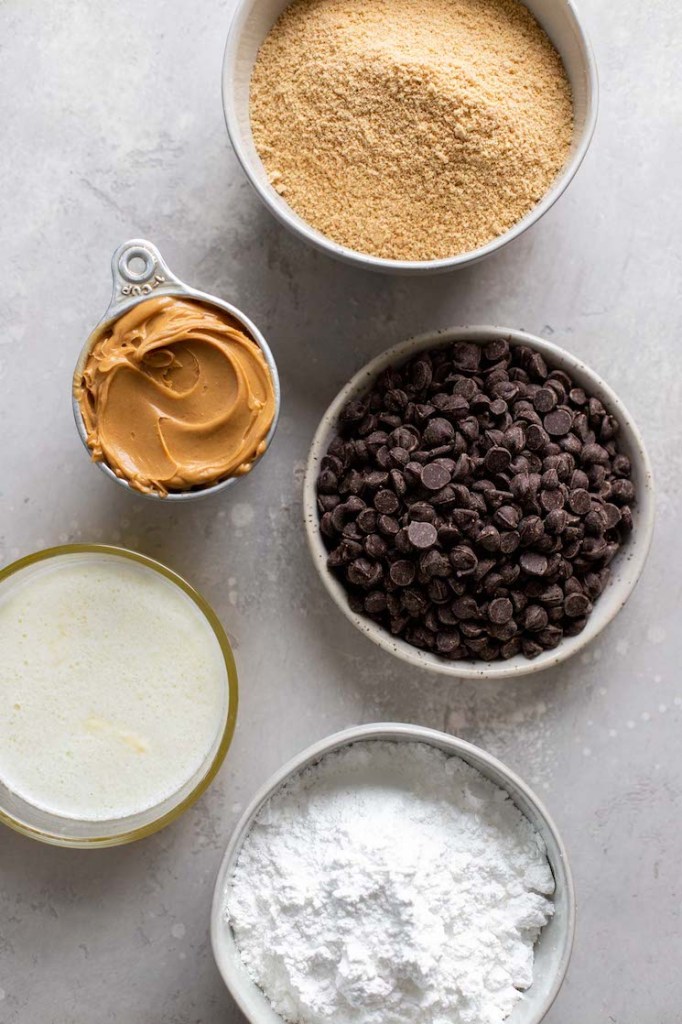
(409, 136)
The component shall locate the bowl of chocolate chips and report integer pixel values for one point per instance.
(479, 502)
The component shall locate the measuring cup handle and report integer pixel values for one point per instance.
(138, 270)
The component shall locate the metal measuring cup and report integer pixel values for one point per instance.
(139, 272)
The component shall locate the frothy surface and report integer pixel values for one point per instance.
(113, 689)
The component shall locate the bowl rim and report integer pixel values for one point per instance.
(172, 286)
(296, 224)
(232, 696)
(392, 732)
(639, 543)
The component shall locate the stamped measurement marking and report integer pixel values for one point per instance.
(143, 289)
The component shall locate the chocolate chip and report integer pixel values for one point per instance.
(466, 355)
(367, 520)
(402, 573)
(558, 422)
(438, 432)
(621, 466)
(514, 439)
(535, 618)
(507, 517)
(375, 602)
(612, 515)
(622, 492)
(496, 350)
(533, 563)
(353, 412)
(556, 521)
(463, 560)
(375, 479)
(544, 400)
(435, 476)
(386, 502)
(472, 501)
(422, 534)
(576, 605)
(592, 454)
(550, 478)
(537, 367)
(327, 525)
(500, 610)
(595, 522)
(422, 512)
(327, 482)
(406, 438)
(536, 437)
(364, 573)
(504, 630)
(432, 563)
(465, 608)
(398, 482)
(448, 643)
(511, 648)
(509, 541)
(344, 553)
(388, 525)
(531, 530)
(551, 500)
(550, 637)
(328, 502)
(376, 546)
(489, 538)
(497, 459)
(579, 501)
(399, 457)
(414, 602)
(421, 374)
(438, 590)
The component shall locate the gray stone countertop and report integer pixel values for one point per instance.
(112, 128)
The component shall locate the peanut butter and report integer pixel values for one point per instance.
(174, 395)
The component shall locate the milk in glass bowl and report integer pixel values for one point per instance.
(118, 695)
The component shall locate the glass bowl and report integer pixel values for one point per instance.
(58, 830)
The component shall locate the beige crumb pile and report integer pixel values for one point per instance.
(410, 129)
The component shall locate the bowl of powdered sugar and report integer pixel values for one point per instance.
(409, 136)
(392, 874)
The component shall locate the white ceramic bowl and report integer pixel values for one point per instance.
(625, 568)
(553, 949)
(251, 23)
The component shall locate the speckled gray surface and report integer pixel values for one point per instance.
(112, 128)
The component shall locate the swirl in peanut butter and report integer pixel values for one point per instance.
(174, 396)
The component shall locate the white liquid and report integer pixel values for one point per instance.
(113, 689)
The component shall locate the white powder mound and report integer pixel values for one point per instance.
(390, 884)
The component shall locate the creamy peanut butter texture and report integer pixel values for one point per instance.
(173, 396)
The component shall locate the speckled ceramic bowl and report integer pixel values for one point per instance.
(553, 948)
(251, 22)
(625, 568)
(139, 272)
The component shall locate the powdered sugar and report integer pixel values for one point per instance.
(390, 883)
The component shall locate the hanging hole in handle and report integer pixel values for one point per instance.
(136, 264)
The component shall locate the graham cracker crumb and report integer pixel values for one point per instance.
(410, 129)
